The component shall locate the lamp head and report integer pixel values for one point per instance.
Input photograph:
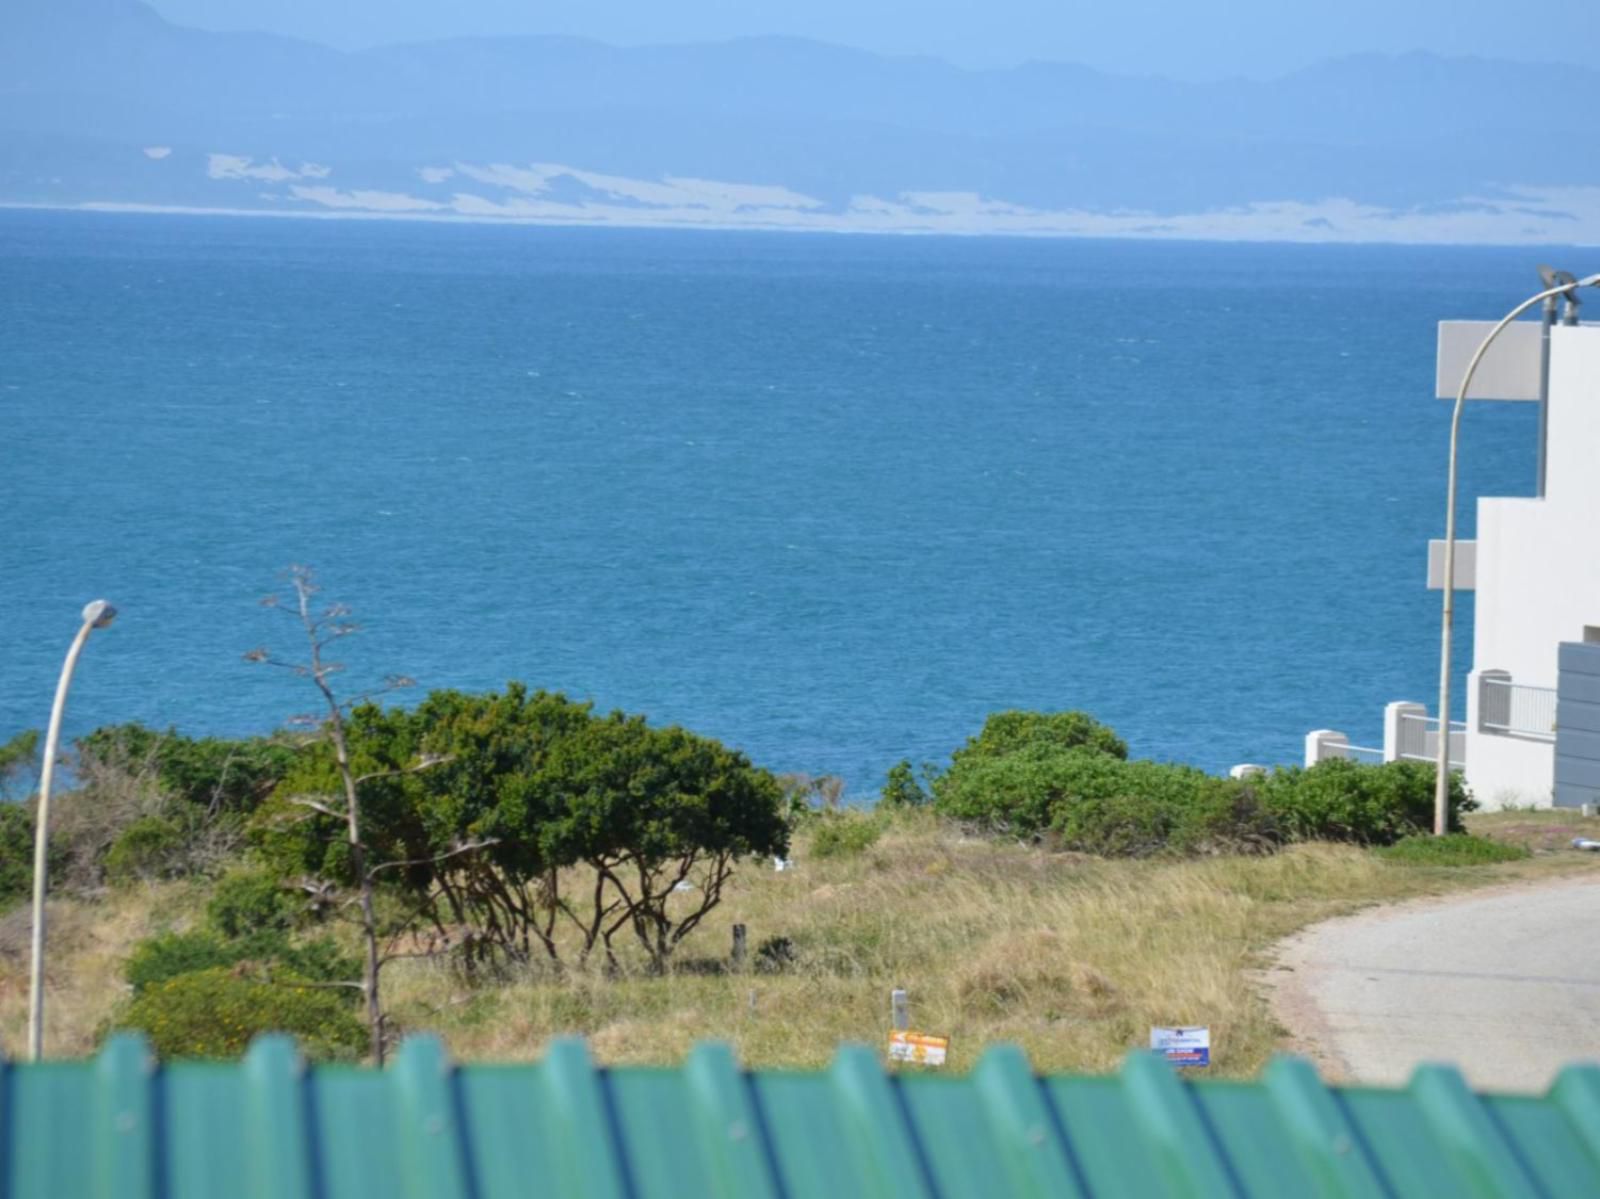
(97, 614)
(1555, 278)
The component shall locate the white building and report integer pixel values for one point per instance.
(1531, 734)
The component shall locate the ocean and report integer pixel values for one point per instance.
(831, 499)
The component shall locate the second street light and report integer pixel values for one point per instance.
(96, 615)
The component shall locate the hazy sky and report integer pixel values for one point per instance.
(1193, 39)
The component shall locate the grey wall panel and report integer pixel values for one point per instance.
(1581, 688)
(1573, 742)
(1577, 757)
(1578, 773)
(1574, 715)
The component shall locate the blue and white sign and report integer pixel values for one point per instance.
(1182, 1046)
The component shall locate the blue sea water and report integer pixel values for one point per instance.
(830, 499)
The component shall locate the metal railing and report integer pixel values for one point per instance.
(1336, 745)
(1418, 740)
(1516, 709)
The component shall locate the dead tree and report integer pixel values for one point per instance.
(324, 626)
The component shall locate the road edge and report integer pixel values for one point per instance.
(1289, 975)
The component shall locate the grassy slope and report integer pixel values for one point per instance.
(1071, 958)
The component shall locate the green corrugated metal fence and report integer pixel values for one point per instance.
(120, 1127)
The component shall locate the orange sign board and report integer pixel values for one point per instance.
(918, 1048)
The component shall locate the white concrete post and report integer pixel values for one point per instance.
(1246, 770)
(1322, 744)
(1498, 699)
(1395, 716)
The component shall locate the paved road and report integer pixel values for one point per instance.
(1504, 984)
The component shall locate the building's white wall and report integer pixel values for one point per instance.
(1505, 771)
(1519, 604)
(1574, 444)
(1509, 370)
(1538, 570)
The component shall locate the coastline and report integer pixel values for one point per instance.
(1279, 223)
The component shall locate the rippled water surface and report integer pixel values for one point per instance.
(831, 499)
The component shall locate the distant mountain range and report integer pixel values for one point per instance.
(105, 103)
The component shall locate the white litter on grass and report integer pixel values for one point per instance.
(781, 863)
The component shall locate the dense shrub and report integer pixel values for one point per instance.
(840, 834)
(1029, 772)
(172, 955)
(19, 765)
(1192, 813)
(1011, 732)
(145, 804)
(902, 790)
(214, 773)
(214, 1014)
(1101, 804)
(252, 901)
(1015, 793)
(16, 852)
(148, 848)
(1452, 849)
(1340, 800)
(1006, 776)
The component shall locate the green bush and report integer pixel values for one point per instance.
(1007, 733)
(251, 901)
(1028, 773)
(213, 773)
(902, 790)
(172, 955)
(19, 765)
(214, 1014)
(1339, 800)
(168, 955)
(1097, 803)
(16, 852)
(1166, 809)
(841, 834)
(1018, 795)
(1452, 849)
(149, 847)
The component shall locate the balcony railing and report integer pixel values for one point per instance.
(1413, 736)
(1418, 740)
(1516, 709)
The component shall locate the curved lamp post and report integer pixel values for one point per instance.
(1441, 794)
(96, 615)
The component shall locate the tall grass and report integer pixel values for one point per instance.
(1073, 958)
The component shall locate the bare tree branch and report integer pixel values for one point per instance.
(470, 847)
(316, 806)
(426, 762)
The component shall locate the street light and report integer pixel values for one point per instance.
(96, 615)
(1441, 793)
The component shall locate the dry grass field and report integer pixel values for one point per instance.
(1072, 958)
